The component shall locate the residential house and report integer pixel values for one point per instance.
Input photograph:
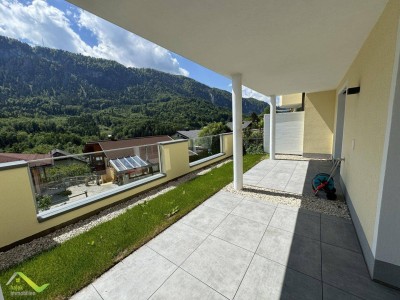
(123, 160)
(37, 164)
(66, 158)
(186, 134)
(245, 124)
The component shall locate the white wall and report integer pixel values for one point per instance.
(289, 133)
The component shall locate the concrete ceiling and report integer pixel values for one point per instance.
(279, 46)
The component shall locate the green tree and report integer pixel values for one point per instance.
(254, 118)
(267, 110)
(63, 171)
(214, 129)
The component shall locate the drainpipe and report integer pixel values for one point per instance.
(237, 131)
(272, 128)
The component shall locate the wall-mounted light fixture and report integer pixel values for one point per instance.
(353, 90)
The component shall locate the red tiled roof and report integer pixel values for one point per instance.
(10, 157)
(118, 144)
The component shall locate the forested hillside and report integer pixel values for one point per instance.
(56, 99)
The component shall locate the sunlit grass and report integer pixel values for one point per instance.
(75, 263)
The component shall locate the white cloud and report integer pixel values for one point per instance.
(40, 23)
(249, 93)
(127, 48)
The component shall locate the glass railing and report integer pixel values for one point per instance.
(60, 180)
(203, 147)
(253, 141)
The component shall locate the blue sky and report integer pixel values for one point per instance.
(60, 25)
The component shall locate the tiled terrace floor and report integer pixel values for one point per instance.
(232, 247)
(291, 176)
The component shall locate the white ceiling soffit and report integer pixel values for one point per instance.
(279, 46)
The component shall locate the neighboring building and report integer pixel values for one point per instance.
(66, 158)
(245, 124)
(123, 160)
(9, 157)
(187, 134)
(37, 168)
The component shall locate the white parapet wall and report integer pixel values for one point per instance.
(289, 133)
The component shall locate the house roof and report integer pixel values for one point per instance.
(279, 47)
(10, 157)
(189, 134)
(245, 124)
(61, 153)
(127, 143)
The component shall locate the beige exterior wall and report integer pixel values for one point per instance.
(366, 115)
(18, 219)
(291, 99)
(319, 122)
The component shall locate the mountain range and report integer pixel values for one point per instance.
(43, 85)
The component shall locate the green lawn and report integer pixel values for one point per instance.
(74, 264)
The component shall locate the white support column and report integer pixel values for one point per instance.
(272, 123)
(237, 131)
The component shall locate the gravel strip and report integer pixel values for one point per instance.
(334, 208)
(22, 252)
(296, 157)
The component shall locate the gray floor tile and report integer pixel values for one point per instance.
(297, 180)
(280, 177)
(253, 177)
(297, 252)
(250, 182)
(223, 201)
(254, 211)
(261, 201)
(336, 219)
(204, 218)
(266, 279)
(341, 234)
(177, 242)
(88, 292)
(257, 172)
(332, 293)
(226, 194)
(266, 165)
(138, 277)
(347, 271)
(277, 185)
(338, 260)
(182, 285)
(299, 209)
(219, 264)
(240, 232)
(297, 222)
(294, 189)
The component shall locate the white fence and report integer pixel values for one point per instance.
(289, 133)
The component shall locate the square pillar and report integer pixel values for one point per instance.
(237, 131)
(272, 124)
